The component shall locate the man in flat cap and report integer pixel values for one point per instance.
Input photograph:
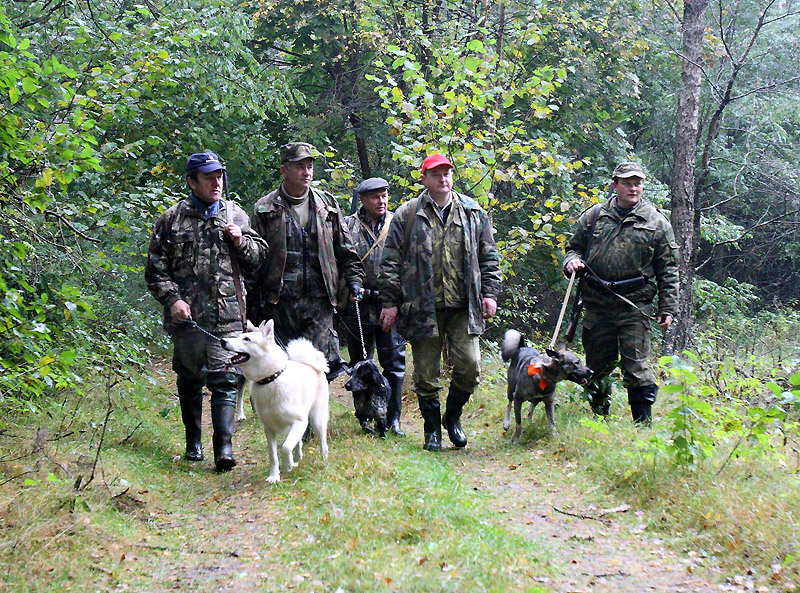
(440, 279)
(626, 252)
(368, 228)
(309, 251)
(191, 271)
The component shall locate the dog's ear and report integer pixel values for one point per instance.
(551, 353)
(250, 327)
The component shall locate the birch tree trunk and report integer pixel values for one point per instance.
(683, 174)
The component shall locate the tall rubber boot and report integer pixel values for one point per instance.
(452, 416)
(223, 414)
(432, 423)
(600, 398)
(395, 405)
(190, 396)
(641, 400)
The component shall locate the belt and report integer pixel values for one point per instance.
(618, 286)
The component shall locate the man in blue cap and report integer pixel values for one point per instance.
(368, 229)
(190, 271)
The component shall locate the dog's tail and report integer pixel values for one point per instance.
(512, 342)
(301, 350)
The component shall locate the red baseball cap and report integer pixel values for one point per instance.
(435, 160)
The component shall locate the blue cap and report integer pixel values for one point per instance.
(205, 162)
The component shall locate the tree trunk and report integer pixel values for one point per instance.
(683, 175)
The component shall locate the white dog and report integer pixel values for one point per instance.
(288, 391)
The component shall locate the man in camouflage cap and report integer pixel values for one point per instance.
(632, 257)
(190, 272)
(368, 229)
(440, 279)
(310, 250)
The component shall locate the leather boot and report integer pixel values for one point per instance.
(395, 405)
(452, 416)
(223, 414)
(432, 420)
(641, 400)
(190, 396)
(600, 398)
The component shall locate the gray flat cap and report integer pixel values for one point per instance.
(372, 184)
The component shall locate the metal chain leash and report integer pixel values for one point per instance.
(360, 329)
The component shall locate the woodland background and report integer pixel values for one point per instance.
(535, 102)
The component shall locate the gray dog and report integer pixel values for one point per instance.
(532, 377)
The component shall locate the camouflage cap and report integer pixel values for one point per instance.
(628, 169)
(296, 151)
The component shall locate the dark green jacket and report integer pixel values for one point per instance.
(189, 259)
(337, 255)
(406, 278)
(641, 244)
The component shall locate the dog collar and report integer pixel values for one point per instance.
(534, 370)
(271, 378)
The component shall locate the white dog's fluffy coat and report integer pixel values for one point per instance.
(297, 397)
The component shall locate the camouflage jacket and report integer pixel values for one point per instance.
(363, 239)
(406, 277)
(190, 259)
(641, 244)
(336, 252)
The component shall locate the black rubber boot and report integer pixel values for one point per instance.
(452, 416)
(223, 414)
(600, 398)
(190, 395)
(432, 420)
(641, 400)
(395, 405)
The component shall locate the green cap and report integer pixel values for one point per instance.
(296, 151)
(628, 169)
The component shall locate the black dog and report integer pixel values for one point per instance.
(370, 396)
(532, 377)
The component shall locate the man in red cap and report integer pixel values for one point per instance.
(439, 281)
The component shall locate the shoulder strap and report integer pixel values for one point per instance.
(411, 216)
(592, 223)
(237, 276)
(381, 236)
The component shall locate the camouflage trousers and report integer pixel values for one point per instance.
(306, 317)
(463, 354)
(611, 335)
(195, 354)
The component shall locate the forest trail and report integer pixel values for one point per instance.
(595, 548)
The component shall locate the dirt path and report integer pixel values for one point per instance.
(598, 551)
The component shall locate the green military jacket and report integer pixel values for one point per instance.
(363, 239)
(190, 259)
(336, 252)
(406, 278)
(641, 244)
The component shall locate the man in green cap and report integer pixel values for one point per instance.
(625, 250)
(309, 250)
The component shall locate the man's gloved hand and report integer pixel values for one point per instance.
(357, 291)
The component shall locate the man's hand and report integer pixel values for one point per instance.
(235, 233)
(575, 265)
(180, 310)
(489, 307)
(664, 320)
(388, 317)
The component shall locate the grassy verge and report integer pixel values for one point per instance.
(379, 516)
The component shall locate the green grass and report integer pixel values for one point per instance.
(379, 516)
